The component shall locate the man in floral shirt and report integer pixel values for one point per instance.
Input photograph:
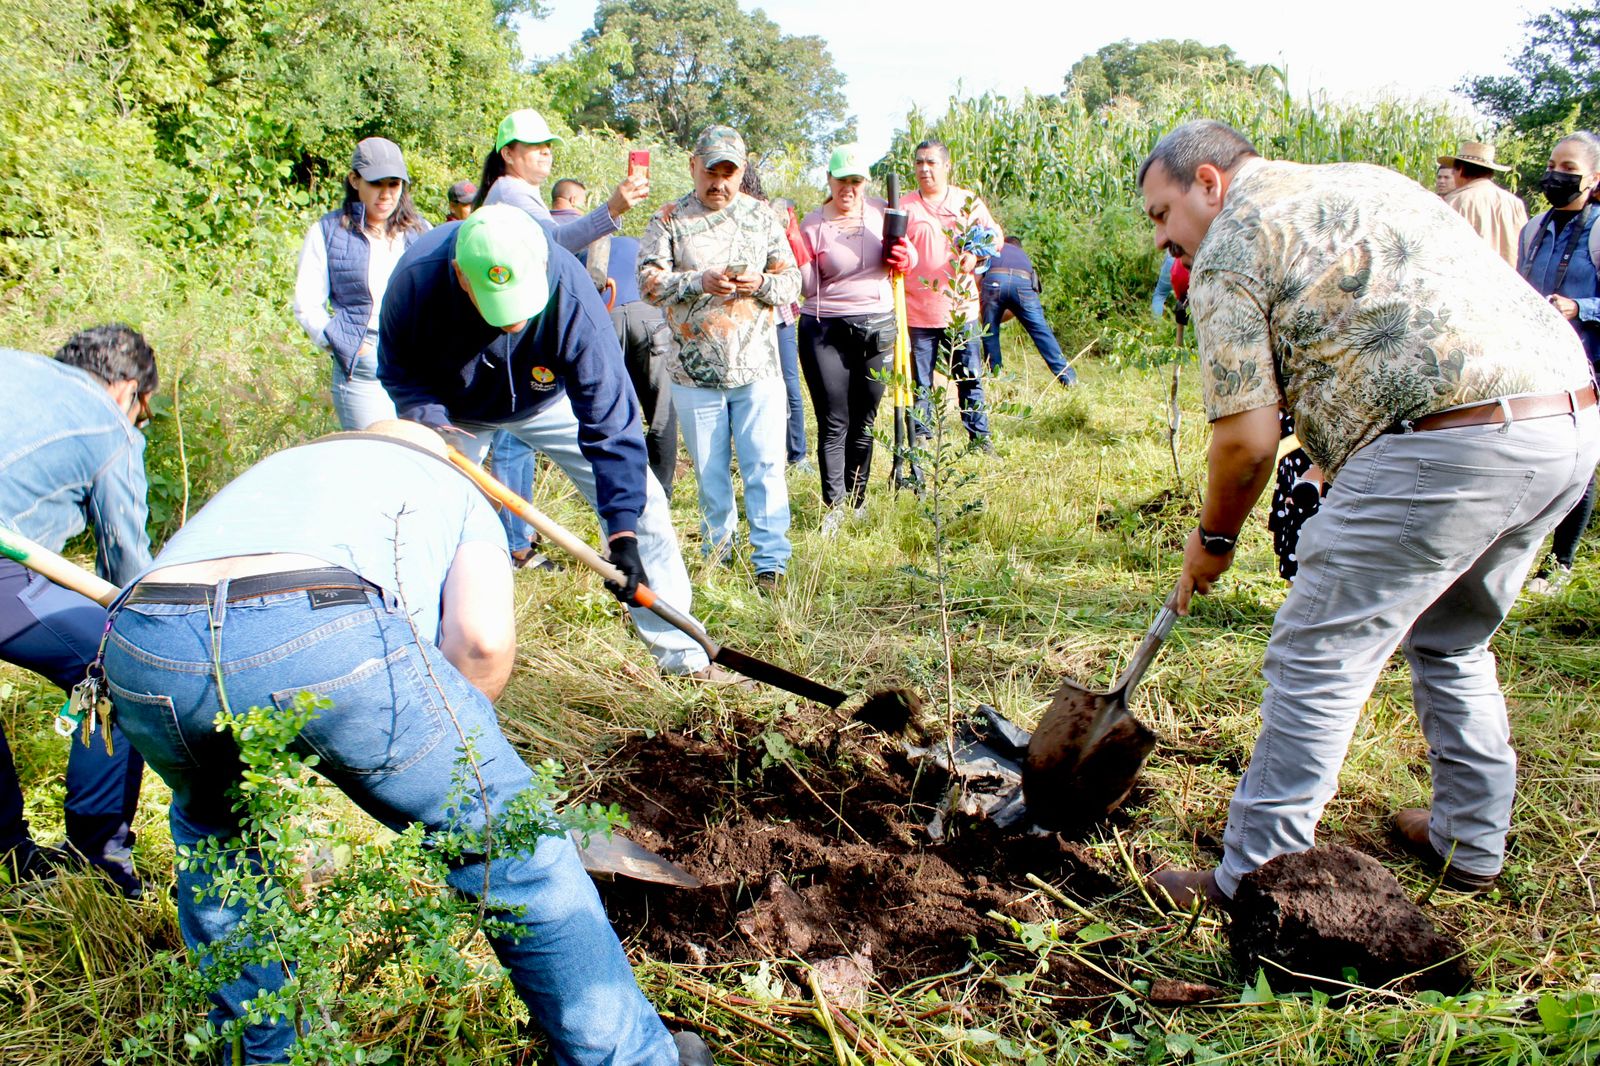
(718, 263)
(1451, 409)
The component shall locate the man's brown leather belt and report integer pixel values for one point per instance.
(247, 588)
(1492, 412)
(1012, 271)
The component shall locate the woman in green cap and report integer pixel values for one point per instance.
(520, 162)
(847, 327)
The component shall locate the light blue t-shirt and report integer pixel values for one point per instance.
(382, 510)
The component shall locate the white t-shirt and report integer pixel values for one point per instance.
(382, 510)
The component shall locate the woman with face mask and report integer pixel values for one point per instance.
(1560, 257)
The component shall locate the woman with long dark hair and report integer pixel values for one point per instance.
(847, 327)
(345, 264)
(1559, 254)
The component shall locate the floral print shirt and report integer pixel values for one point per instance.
(1358, 299)
(722, 341)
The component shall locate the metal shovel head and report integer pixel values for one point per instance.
(617, 856)
(1084, 758)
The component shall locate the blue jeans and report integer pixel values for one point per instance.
(358, 397)
(789, 359)
(1424, 543)
(963, 369)
(1014, 293)
(514, 464)
(389, 743)
(751, 419)
(56, 632)
(553, 430)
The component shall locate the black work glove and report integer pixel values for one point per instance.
(624, 553)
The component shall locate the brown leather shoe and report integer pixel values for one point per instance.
(1183, 888)
(1409, 829)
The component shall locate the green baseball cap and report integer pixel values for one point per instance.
(502, 252)
(527, 126)
(848, 162)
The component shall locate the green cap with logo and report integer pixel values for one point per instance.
(720, 144)
(848, 161)
(502, 253)
(527, 126)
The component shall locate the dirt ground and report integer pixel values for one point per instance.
(818, 858)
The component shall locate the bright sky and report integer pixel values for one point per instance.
(897, 55)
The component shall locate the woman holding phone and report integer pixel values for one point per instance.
(847, 327)
(513, 172)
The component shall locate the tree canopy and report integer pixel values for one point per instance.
(692, 63)
(1141, 70)
(1555, 84)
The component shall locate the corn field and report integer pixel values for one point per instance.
(1051, 151)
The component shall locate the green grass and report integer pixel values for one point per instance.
(1044, 588)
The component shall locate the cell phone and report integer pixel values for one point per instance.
(639, 164)
(736, 270)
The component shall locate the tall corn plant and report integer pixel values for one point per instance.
(1051, 150)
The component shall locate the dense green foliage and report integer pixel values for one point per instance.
(1060, 173)
(1143, 71)
(1555, 89)
(692, 63)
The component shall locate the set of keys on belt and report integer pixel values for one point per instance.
(87, 709)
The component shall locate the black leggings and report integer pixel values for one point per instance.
(1565, 545)
(839, 357)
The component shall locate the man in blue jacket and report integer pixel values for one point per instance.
(488, 325)
(1011, 284)
(77, 460)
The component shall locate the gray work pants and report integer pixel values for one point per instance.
(1427, 538)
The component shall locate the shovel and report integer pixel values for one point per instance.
(891, 706)
(1086, 753)
(603, 857)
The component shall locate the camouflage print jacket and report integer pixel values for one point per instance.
(722, 342)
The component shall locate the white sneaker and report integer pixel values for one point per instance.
(861, 513)
(831, 522)
(1550, 582)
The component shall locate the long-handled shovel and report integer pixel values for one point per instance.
(1086, 753)
(903, 472)
(602, 856)
(880, 707)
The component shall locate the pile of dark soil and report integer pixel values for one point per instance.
(1333, 912)
(816, 857)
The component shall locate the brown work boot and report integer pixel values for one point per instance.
(1182, 888)
(1409, 829)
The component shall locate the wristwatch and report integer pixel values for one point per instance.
(1216, 543)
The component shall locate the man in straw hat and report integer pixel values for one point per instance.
(1497, 215)
(396, 605)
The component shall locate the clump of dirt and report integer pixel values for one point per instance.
(1331, 910)
(819, 858)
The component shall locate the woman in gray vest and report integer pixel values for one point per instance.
(345, 265)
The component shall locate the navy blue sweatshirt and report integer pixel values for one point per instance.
(441, 362)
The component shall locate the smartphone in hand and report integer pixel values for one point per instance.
(735, 270)
(639, 164)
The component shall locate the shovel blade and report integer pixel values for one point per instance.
(616, 856)
(1084, 758)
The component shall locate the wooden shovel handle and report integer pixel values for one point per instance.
(579, 549)
(62, 571)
